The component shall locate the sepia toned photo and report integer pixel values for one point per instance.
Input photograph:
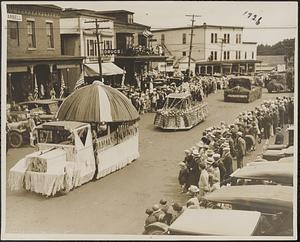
(149, 120)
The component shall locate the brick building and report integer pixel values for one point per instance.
(34, 52)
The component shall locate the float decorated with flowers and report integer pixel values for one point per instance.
(95, 134)
(180, 112)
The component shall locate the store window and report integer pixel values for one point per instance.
(91, 48)
(49, 31)
(31, 34)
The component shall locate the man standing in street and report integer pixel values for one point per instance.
(227, 161)
(279, 138)
(240, 150)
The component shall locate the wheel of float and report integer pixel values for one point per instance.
(16, 139)
(155, 232)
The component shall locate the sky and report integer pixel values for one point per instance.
(166, 14)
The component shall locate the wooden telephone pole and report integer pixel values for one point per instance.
(191, 41)
(222, 43)
(98, 32)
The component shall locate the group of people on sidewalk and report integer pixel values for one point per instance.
(209, 163)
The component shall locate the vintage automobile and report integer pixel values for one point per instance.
(65, 158)
(17, 129)
(275, 202)
(241, 89)
(280, 82)
(288, 144)
(270, 172)
(177, 80)
(210, 222)
(45, 109)
(180, 112)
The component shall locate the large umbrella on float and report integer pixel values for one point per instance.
(97, 103)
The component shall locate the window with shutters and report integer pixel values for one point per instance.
(212, 38)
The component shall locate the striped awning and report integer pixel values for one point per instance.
(97, 103)
(108, 69)
(147, 33)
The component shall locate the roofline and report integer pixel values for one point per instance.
(80, 12)
(249, 42)
(198, 27)
(51, 6)
(116, 11)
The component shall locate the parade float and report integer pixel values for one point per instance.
(180, 112)
(241, 89)
(96, 133)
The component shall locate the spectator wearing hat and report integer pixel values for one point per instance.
(157, 213)
(227, 161)
(279, 137)
(291, 111)
(151, 218)
(203, 182)
(281, 110)
(183, 177)
(193, 169)
(178, 210)
(240, 150)
(267, 122)
(275, 117)
(216, 176)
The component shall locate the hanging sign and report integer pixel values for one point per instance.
(14, 17)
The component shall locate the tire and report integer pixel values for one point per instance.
(16, 139)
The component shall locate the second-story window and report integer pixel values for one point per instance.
(184, 38)
(238, 38)
(212, 38)
(107, 45)
(130, 18)
(14, 31)
(216, 38)
(228, 55)
(183, 53)
(245, 55)
(252, 54)
(224, 55)
(49, 31)
(162, 39)
(31, 34)
(216, 55)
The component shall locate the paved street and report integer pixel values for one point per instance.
(116, 204)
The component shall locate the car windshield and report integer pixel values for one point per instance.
(51, 136)
(242, 82)
(176, 103)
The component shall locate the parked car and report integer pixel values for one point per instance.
(210, 222)
(280, 82)
(274, 202)
(241, 89)
(45, 109)
(273, 172)
(17, 129)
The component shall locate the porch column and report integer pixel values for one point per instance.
(212, 70)
(51, 70)
(239, 68)
(205, 69)
(247, 68)
(230, 70)
(199, 69)
(254, 67)
(9, 86)
(221, 69)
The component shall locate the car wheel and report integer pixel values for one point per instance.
(15, 140)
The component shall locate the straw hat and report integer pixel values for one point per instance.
(193, 189)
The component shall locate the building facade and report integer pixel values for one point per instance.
(134, 43)
(78, 37)
(215, 49)
(34, 59)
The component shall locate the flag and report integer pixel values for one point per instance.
(36, 88)
(80, 81)
(62, 85)
(147, 33)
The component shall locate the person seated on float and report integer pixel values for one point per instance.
(158, 213)
(193, 192)
(178, 210)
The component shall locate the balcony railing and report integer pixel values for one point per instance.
(139, 51)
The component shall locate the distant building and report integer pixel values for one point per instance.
(270, 62)
(34, 51)
(78, 37)
(135, 43)
(216, 49)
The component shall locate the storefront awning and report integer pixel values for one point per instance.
(108, 69)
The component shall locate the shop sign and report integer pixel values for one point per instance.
(12, 69)
(67, 66)
(111, 51)
(14, 17)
